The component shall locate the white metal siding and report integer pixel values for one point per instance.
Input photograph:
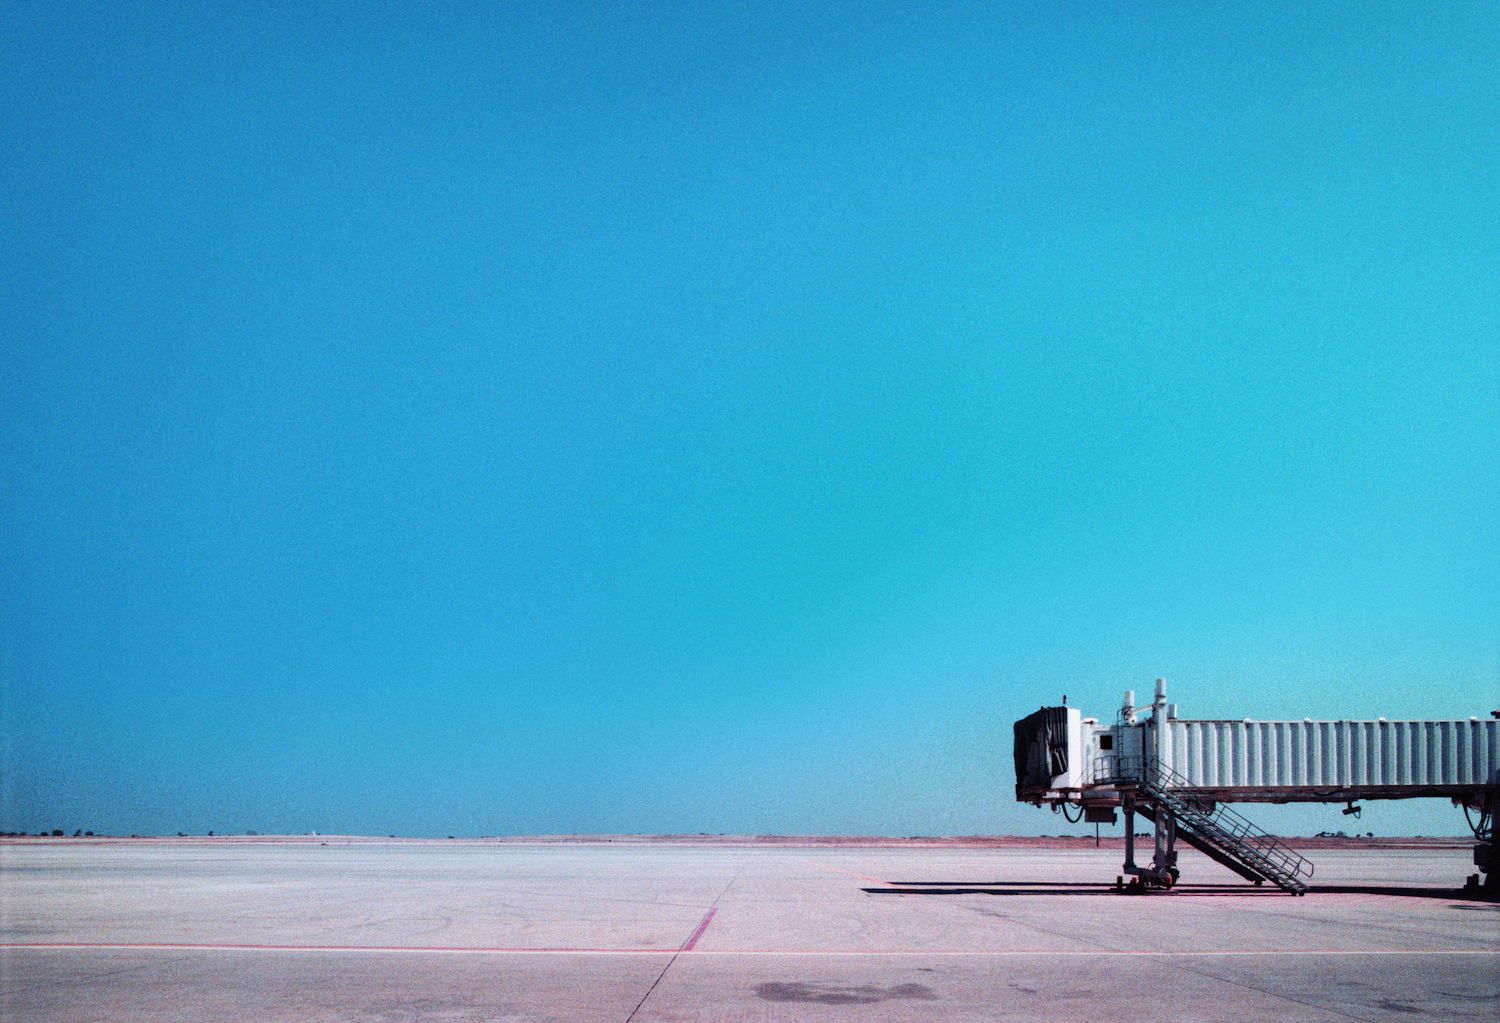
(1333, 754)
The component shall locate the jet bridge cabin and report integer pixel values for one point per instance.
(1180, 773)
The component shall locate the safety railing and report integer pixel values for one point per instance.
(1211, 820)
(1118, 769)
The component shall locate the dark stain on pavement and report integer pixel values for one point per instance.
(1390, 1006)
(431, 1010)
(836, 994)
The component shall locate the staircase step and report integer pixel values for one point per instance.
(1237, 843)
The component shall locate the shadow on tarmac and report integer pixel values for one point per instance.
(1458, 894)
(1236, 890)
(1042, 888)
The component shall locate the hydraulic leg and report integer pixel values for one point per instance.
(1163, 870)
(1165, 861)
(1486, 853)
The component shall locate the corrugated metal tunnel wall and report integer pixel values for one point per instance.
(1331, 754)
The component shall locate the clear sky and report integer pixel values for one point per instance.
(727, 417)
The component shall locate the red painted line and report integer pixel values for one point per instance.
(843, 953)
(221, 947)
(687, 946)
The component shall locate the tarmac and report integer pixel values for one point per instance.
(630, 932)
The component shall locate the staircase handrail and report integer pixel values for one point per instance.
(1257, 847)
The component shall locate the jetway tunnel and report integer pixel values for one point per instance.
(1181, 775)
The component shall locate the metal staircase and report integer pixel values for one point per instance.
(1213, 827)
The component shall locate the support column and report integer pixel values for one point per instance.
(1165, 860)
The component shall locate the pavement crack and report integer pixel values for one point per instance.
(93, 978)
(713, 908)
(1260, 990)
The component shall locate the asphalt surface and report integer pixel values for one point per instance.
(398, 933)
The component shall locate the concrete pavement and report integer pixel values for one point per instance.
(486, 932)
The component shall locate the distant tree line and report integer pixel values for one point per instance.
(54, 833)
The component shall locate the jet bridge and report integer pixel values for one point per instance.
(1180, 774)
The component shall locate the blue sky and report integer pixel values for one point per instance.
(727, 418)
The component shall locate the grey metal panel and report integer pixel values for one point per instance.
(1333, 754)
